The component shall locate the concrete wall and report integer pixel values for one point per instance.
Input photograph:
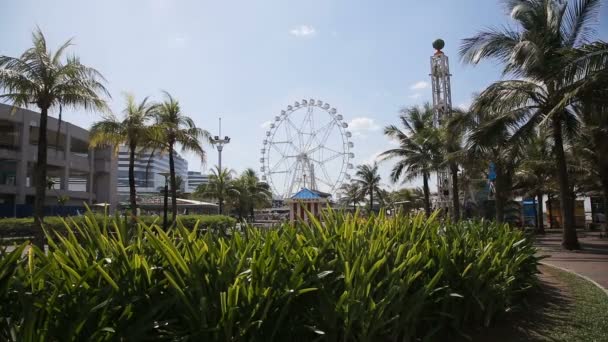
(71, 162)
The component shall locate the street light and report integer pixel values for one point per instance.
(166, 199)
(219, 143)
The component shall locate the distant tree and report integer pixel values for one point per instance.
(132, 131)
(174, 128)
(39, 78)
(368, 180)
(407, 199)
(534, 175)
(220, 186)
(418, 154)
(250, 194)
(350, 193)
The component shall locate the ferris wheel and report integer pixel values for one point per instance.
(306, 146)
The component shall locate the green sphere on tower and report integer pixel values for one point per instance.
(438, 44)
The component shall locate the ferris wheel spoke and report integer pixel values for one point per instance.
(298, 132)
(323, 181)
(325, 173)
(282, 153)
(314, 133)
(326, 135)
(328, 159)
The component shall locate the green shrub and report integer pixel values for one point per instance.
(350, 278)
(24, 227)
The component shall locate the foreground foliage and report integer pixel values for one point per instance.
(350, 278)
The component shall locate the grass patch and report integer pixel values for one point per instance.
(587, 317)
(564, 307)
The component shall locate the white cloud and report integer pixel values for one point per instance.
(419, 85)
(303, 31)
(363, 124)
(265, 124)
(415, 96)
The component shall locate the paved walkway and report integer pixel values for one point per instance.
(591, 261)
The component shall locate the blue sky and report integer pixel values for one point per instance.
(247, 60)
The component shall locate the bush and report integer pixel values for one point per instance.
(24, 227)
(397, 278)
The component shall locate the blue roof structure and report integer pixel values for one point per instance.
(305, 194)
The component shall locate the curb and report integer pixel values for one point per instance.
(578, 275)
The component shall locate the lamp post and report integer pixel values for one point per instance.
(219, 143)
(166, 199)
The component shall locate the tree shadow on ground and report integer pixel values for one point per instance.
(545, 308)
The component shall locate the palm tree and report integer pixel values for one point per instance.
(418, 152)
(48, 81)
(551, 36)
(451, 137)
(407, 199)
(131, 131)
(350, 193)
(253, 193)
(592, 107)
(221, 187)
(490, 140)
(174, 128)
(368, 181)
(535, 172)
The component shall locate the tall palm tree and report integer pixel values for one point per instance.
(350, 193)
(549, 37)
(46, 80)
(132, 131)
(174, 128)
(418, 152)
(220, 186)
(368, 180)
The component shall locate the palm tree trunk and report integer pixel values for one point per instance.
(499, 204)
(569, 239)
(40, 179)
(550, 210)
(500, 195)
(427, 195)
(132, 190)
(602, 150)
(173, 183)
(455, 199)
(371, 201)
(539, 214)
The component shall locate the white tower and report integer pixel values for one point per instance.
(442, 105)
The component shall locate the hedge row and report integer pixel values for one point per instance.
(23, 227)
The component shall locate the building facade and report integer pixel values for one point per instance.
(195, 179)
(149, 169)
(76, 174)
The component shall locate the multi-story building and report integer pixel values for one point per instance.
(75, 173)
(149, 169)
(195, 179)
